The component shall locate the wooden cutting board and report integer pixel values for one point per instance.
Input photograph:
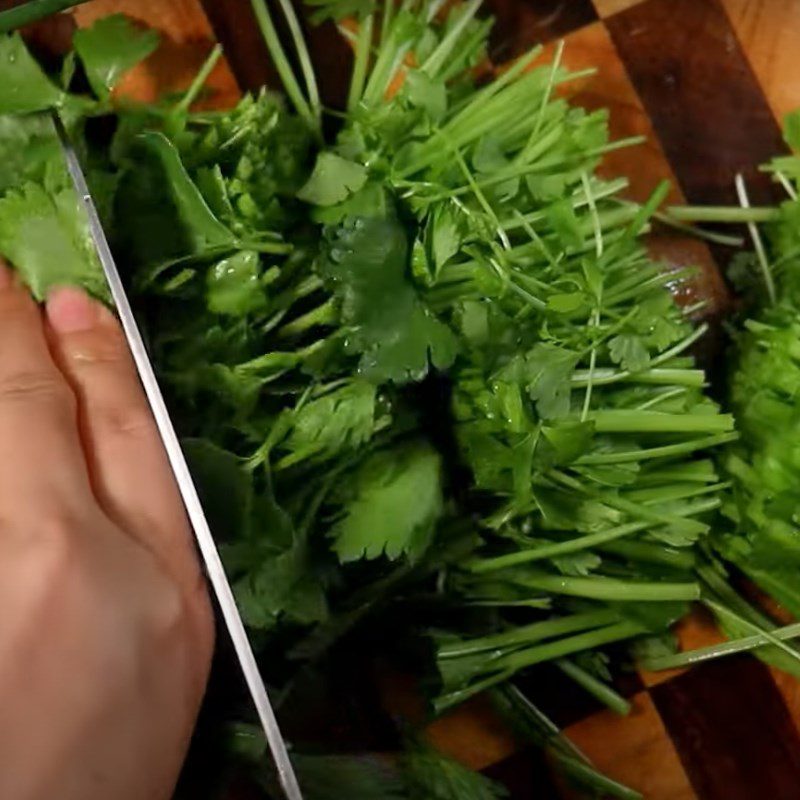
(707, 82)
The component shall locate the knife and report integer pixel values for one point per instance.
(194, 509)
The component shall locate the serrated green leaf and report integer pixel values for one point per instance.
(394, 332)
(630, 352)
(548, 370)
(395, 504)
(47, 239)
(25, 87)
(109, 48)
(333, 180)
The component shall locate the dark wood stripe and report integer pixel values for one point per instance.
(706, 104)
(732, 731)
(236, 28)
(519, 24)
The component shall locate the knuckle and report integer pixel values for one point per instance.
(169, 612)
(133, 421)
(36, 386)
(102, 346)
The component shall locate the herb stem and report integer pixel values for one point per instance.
(729, 214)
(601, 588)
(290, 84)
(599, 690)
(361, 62)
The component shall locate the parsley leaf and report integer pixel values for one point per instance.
(394, 501)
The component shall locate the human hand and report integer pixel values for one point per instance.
(106, 631)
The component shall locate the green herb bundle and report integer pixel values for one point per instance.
(306, 298)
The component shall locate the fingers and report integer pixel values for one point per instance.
(41, 459)
(128, 467)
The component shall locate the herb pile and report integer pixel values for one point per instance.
(423, 361)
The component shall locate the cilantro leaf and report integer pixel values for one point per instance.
(336, 422)
(395, 501)
(233, 285)
(630, 352)
(393, 330)
(109, 48)
(281, 587)
(47, 239)
(333, 180)
(548, 369)
(24, 88)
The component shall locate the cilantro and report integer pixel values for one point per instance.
(547, 371)
(392, 506)
(335, 422)
(233, 285)
(393, 330)
(109, 48)
(630, 352)
(25, 87)
(333, 180)
(46, 237)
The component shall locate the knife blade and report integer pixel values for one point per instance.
(194, 509)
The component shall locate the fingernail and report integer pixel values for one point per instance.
(71, 310)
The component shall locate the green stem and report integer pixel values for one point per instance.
(435, 60)
(503, 668)
(668, 450)
(306, 67)
(590, 640)
(742, 645)
(200, 80)
(600, 588)
(281, 62)
(528, 634)
(361, 63)
(770, 637)
(604, 377)
(632, 421)
(730, 214)
(601, 691)
(479, 565)
(651, 553)
(321, 315)
(33, 10)
(599, 784)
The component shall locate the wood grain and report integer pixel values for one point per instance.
(605, 8)
(732, 730)
(635, 750)
(769, 33)
(701, 94)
